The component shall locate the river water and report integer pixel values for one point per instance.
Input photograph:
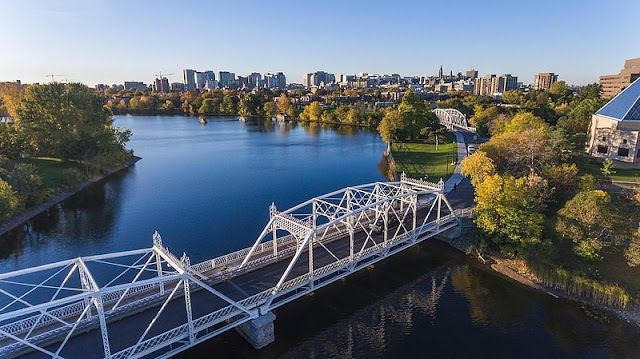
(207, 188)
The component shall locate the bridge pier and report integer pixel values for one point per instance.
(258, 332)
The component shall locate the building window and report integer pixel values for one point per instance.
(603, 149)
(624, 152)
(604, 138)
(624, 141)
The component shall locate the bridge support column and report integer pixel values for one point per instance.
(258, 332)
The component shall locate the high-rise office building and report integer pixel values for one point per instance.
(226, 79)
(472, 74)
(485, 86)
(204, 79)
(188, 79)
(277, 80)
(544, 80)
(254, 79)
(317, 78)
(611, 85)
(161, 85)
(506, 82)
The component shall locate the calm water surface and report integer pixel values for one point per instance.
(207, 188)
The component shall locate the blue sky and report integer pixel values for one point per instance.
(110, 41)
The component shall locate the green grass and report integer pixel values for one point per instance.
(421, 160)
(51, 169)
(592, 166)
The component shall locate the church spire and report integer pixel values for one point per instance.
(440, 72)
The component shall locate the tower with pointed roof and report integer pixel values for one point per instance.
(615, 128)
(440, 74)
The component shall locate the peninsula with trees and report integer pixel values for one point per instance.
(57, 137)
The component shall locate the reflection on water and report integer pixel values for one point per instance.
(87, 217)
(385, 168)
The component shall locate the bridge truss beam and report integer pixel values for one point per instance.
(451, 118)
(322, 240)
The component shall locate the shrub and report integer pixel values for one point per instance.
(8, 201)
(71, 177)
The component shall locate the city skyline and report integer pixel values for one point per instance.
(112, 42)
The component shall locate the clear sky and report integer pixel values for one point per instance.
(110, 41)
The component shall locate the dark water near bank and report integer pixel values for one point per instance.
(207, 188)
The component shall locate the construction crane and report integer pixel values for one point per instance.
(160, 75)
(53, 77)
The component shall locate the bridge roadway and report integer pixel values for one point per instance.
(125, 329)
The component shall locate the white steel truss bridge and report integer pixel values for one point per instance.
(150, 303)
(450, 117)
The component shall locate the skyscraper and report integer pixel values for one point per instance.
(544, 80)
(254, 79)
(226, 79)
(506, 82)
(161, 85)
(204, 79)
(188, 79)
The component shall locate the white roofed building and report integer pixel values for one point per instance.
(615, 128)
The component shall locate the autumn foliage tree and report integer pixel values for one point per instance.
(69, 121)
(590, 221)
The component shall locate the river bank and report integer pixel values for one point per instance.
(517, 270)
(19, 219)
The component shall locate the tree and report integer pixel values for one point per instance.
(229, 105)
(10, 143)
(208, 107)
(507, 208)
(270, 108)
(589, 220)
(591, 91)
(477, 166)
(524, 121)
(250, 105)
(353, 116)
(25, 180)
(312, 112)
(390, 128)
(576, 122)
(632, 253)
(412, 112)
(607, 168)
(284, 105)
(515, 97)
(8, 201)
(563, 181)
(560, 92)
(67, 121)
(520, 153)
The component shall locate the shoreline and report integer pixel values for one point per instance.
(23, 217)
(516, 271)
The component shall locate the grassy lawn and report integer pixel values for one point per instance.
(421, 160)
(591, 166)
(51, 169)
